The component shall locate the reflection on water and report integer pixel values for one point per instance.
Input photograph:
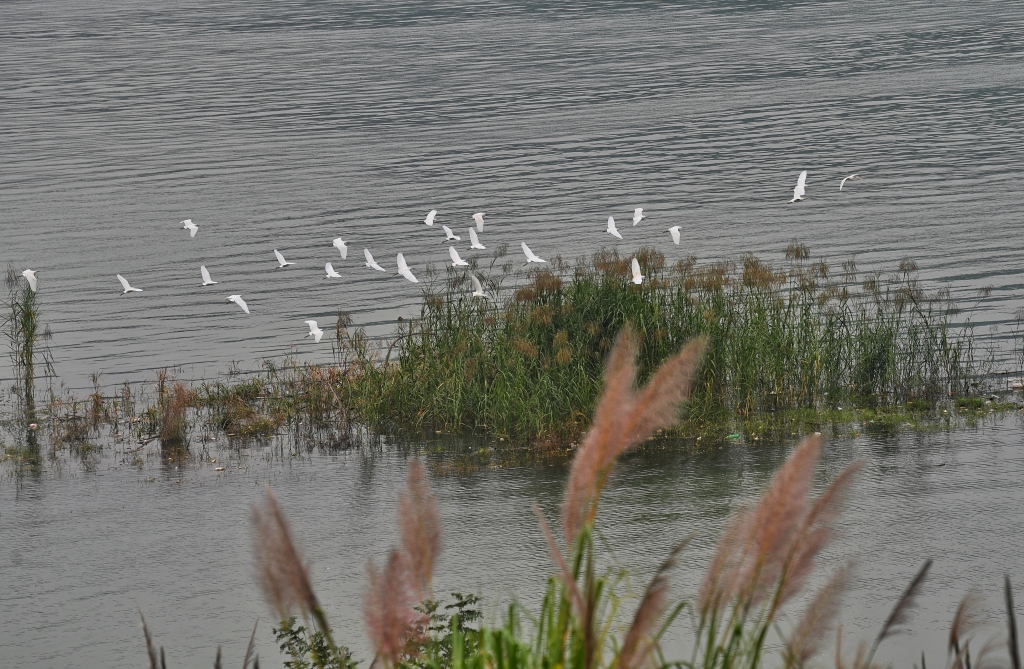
(81, 551)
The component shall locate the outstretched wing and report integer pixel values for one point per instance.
(407, 273)
(240, 302)
(455, 255)
(675, 234)
(340, 245)
(636, 269)
(280, 258)
(476, 284)
(124, 282)
(402, 265)
(312, 326)
(528, 252)
(801, 180)
(206, 274)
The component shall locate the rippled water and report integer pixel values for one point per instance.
(286, 124)
(81, 551)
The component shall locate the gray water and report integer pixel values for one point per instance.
(284, 125)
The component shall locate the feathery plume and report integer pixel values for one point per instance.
(964, 620)
(622, 419)
(280, 570)
(809, 632)
(636, 645)
(901, 612)
(722, 567)
(389, 607)
(419, 524)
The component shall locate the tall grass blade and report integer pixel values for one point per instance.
(901, 612)
(1011, 621)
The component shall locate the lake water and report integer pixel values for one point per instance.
(286, 124)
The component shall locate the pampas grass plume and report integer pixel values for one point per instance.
(419, 524)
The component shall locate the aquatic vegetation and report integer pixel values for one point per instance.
(24, 334)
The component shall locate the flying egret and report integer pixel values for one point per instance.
(674, 230)
(280, 259)
(127, 288)
(638, 215)
(474, 240)
(331, 274)
(457, 261)
(479, 218)
(449, 235)
(798, 192)
(237, 299)
(30, 276)
(404, 270)
(852, 177)
(611, 228)
(429, 220)
(530, 255)
(314, 331)
(192, 228)
(340, 245)
(207, 281)
(478, 289)
(371, 263)
(638, 278)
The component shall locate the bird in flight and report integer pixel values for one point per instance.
(612, 229)
(798, 192)
(237, 299)
(314, 331)
(478, 289)
(638, 215)
(127, 288)
(474, 240)
(852, 177)
(342, 248)
(280, 259)
(371, 263)
(207, 281)
(530, 255)
(192, 228)
(30, 276)
(449, 235)
(479, 218)
(457, 260)
(331, 274)
(404, 270)
(674, 231)
(429, 220)
(638, 278)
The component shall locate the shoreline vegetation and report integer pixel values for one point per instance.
(794, 346)
(741, 617)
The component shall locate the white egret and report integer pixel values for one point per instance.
(638, 278)
(30, 276)
(611, 228)
(429, 220)
(674, 231)
(237, 299)
(449, 235)
(638, 215)
(280, 259)
(474, 240)
(315, 332)
(457, 260)
(404, 270)
(852, 177)
(479, 218)
(371, 263)
(342, 248)
(530, 255)
(207, 281)
(478, 289)
(192, 228)
(127, 288)
(331, 274)
(798, 192)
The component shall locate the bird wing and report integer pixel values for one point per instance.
(638, 212)
(429, 220)
(799, 191)
(454, 254)
(240, 302)
(675, 234)
(402, 265)
(611, 224)
(407, 273)
(801, 179)
(528, 252)
(340, 245)
(30, 276)
(476, 284)
(124, 282)
(636, 269)
(369, 258)
(329, 268)
(447, 231)
(280, 258)
(473, 239)
(312, 326)
(479, 218)
(317, 335)
(206, 274)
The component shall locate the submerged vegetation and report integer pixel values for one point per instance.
(740, 618)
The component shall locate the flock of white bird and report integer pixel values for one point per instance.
(450, 236)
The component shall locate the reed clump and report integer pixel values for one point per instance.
(763, 561)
